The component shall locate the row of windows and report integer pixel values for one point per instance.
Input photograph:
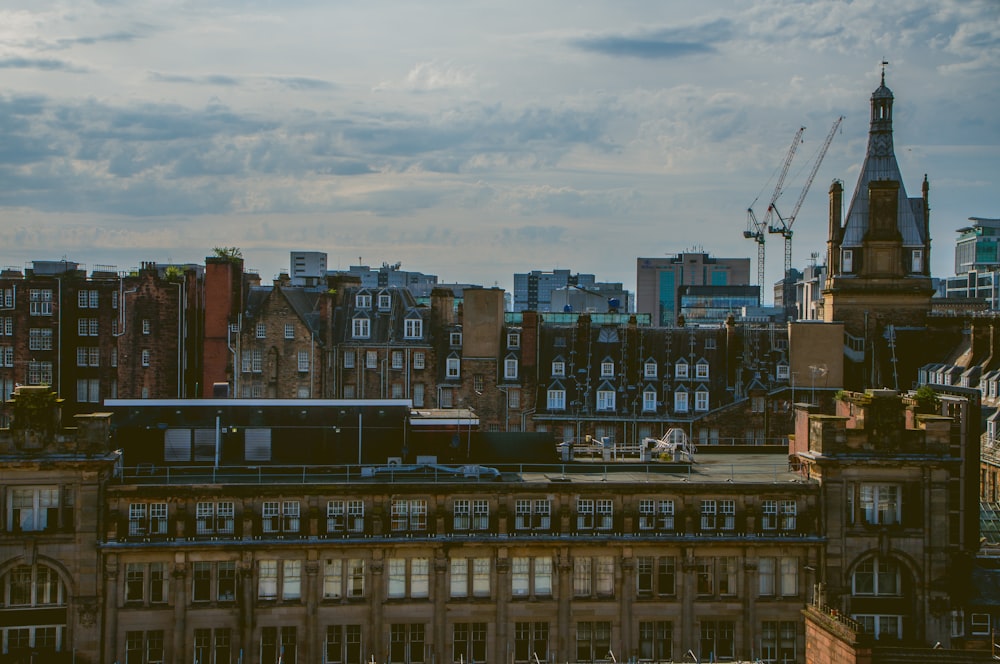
(916, 261)
(253, 361)
(533, 642)
(607, 400)
(347, 516)
(656, 577)
(260, 331)
(361, 328)
(40, 302)
(396, 359)
(33, 508)
(650, 369)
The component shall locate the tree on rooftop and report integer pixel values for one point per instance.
(231, 254)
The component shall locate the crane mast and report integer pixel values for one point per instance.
(756, 230)
(785, 227)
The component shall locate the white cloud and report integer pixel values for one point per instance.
(446, 135)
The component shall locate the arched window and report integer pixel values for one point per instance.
(30, 586)
(876, 576)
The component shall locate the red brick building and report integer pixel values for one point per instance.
(104, 335)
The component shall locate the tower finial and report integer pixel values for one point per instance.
(884, 63)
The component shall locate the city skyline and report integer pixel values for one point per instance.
(473, 141)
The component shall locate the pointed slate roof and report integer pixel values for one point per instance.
(880, 165)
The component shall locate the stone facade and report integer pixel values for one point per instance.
(179, 560)
(52, 481)
(106, 335)
(282, 344)
(899, 523)
(878, 256)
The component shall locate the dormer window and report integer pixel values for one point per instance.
(649, 369)
(513, 340)
(510, 368)
(847, 260)
(363, 301)
(701, 399)
(384, 301)
(701, 370)
(361, 328)
(453, 367)
(680, 401)
(558, 368)
(681, 369)
(607, 369)
(456, 338)
(606, 399)
(917, 261)
(413, 328)
(649, 400)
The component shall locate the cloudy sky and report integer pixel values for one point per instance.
(474, 139)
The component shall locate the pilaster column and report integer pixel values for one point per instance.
(563, 641)
(439, 630)
(626, 593)
(112, 598)
(502, 595)
(689, 636)
(180, 580)
(379, 636)
(750, 581)
(248, 587)
(311, 629)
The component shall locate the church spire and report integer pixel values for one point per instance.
(880, 134)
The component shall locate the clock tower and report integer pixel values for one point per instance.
(878, 256)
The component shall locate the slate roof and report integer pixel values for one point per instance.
(880, 165)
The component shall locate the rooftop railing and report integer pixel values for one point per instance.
(597, 471)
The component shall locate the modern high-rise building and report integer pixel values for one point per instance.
(977, 263)
(533, 290)
(391, 276)
(659, 279)
(308, 268)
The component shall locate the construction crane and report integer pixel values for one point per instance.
(784, 227)
(757, 229)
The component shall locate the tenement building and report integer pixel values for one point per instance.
(213, 533)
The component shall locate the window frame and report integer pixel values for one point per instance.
(413, 328)
(361, 327)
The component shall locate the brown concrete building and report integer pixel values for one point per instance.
(383, 345)
(895, 478)
(878, 257)
(50, 566)
(659, 279)
(605, 375)
(282, 343)
(584, 562)
(105, 335)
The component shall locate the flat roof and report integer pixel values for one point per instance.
(738, 469)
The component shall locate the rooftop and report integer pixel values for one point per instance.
(712, 468)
